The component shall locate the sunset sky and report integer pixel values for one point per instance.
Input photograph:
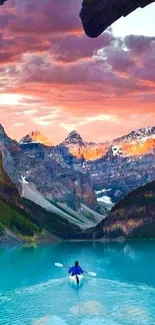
(55, 79)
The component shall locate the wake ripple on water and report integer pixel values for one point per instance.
(41, 286)
(31, 289)
(99, 302)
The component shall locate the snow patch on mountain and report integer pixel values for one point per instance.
(115, 150)
(99, 192)
(102, 191)
(105, 199)
(23, 179)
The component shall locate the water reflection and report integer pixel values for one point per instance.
(76, 287)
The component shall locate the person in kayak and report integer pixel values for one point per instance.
(76, 270)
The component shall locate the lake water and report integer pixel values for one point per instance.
(34, 292)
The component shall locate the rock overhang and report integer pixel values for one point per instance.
(98, 15)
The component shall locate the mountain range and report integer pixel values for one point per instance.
(76, 172)
(112, 169)
(76, 181)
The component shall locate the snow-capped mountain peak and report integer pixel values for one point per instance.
(138, 134)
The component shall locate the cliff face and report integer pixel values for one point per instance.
(51, 170)
(14, 221)
(133, 217)
(25, 218)
(127, 164)
(8, 189)
(98, 15)
(10, 149)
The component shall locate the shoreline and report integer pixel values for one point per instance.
(13, 239)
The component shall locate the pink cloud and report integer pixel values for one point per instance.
(71, 48)
(138, 44)
(120, 60)
(43, 17)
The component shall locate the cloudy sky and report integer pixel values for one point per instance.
(55, 79)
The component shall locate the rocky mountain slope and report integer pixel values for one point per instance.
(133, 217)
(49, 168)
(21, 218)
(12, 214)
(97, 15)
(128, 163)
(9, 149)
(85, 220)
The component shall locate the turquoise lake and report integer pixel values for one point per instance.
(35, 292)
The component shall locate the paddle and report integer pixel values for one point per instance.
(61, 265)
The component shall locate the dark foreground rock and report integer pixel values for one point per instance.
(97, 15)
(2, 2)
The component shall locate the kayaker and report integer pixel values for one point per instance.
(76, 270)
